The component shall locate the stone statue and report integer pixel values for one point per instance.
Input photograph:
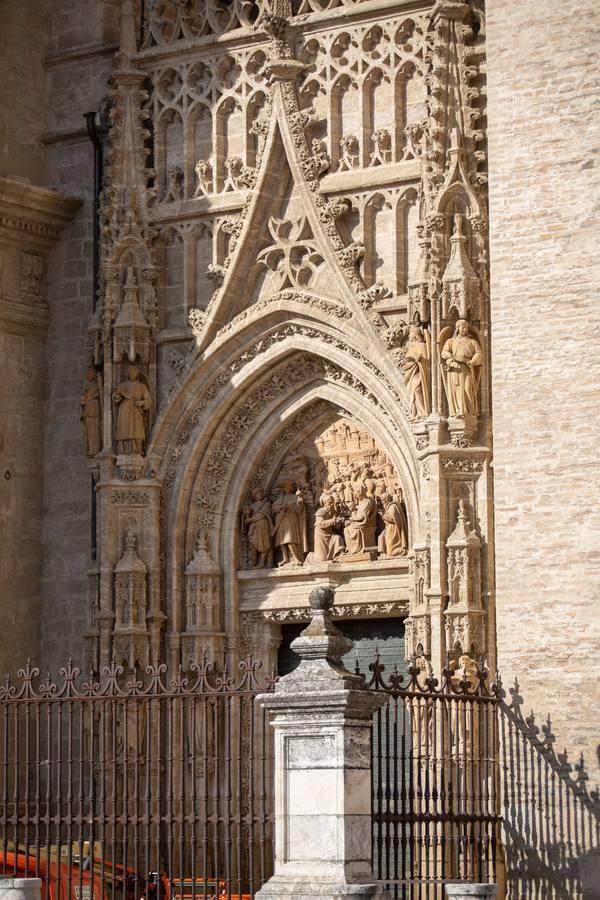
(290, 525)
(393, 541)
(259, 521)
(328, 544)
(133, 400)
(461, 369)
(359, 533)
(91, 414)
(415, 371)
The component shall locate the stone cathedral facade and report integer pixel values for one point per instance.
(282, 361)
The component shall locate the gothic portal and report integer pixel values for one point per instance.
(287, 369)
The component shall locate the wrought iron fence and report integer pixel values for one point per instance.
(137, 787)
(551, 822)
(435, 781)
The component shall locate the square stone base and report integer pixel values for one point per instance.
(318, 889)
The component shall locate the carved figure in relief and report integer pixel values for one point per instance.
(133, 400)
(289, 529)
(259, 521)
(328, 544)
(91, 414)
(415, 371)
(393, 541)
(461, 369)
(359, 533)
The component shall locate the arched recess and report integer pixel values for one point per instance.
(347, 382)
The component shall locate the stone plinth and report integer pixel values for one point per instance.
(322, 719)
(20, 888)
(471, 891)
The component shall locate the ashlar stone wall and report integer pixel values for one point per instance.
(544, 148)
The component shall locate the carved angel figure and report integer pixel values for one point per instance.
(91, 414)
(415, 371)
(328, 544)
(133, 400)
(462, 359)
(259, 522)
(289, 529)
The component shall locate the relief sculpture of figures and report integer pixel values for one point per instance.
(415, 370)
(289, 529)
(328, 544)
(359, 533)
(393, 540)
(461, 369)
(133, 400)
(258, 520)
(91, 414)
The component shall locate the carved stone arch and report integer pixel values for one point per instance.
(387, 420)
(169, 147)
(198, 142)
(251, 446)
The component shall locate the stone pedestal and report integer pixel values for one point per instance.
(471, 891)
(322, 720)
(20, 888)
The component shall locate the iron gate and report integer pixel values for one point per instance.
(435, 781)
(128, 788)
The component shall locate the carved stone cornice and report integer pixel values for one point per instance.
(31, 219)
(33, 215)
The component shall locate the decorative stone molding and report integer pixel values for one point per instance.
(31, 219)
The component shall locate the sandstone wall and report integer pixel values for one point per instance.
(81, 44)
(544, 116)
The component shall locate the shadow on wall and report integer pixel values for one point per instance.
(551, 821)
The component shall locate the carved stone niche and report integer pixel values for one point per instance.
(202, 604)
(130, 637)
(464, 615)
(335, 498)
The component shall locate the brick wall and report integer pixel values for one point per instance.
(544, 119)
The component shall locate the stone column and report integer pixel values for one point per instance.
(20, 888)
(472, 891)
(322, 715)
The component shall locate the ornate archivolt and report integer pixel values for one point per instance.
(308, 252)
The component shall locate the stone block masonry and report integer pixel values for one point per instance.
(544, 147)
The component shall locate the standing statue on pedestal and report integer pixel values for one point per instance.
(415, 371)
(393, 540)
(91, 414)
(359, 533)
(461, 369)
(290, 526)
(133, 400)
(328, 544)
(259, 522)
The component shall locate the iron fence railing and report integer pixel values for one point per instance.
(551, 821)
(436, 815)
(133, 787)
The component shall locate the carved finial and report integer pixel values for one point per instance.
(458, 227)
(202, 540)
(127, 39)
(321, 598)
(130, 540)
